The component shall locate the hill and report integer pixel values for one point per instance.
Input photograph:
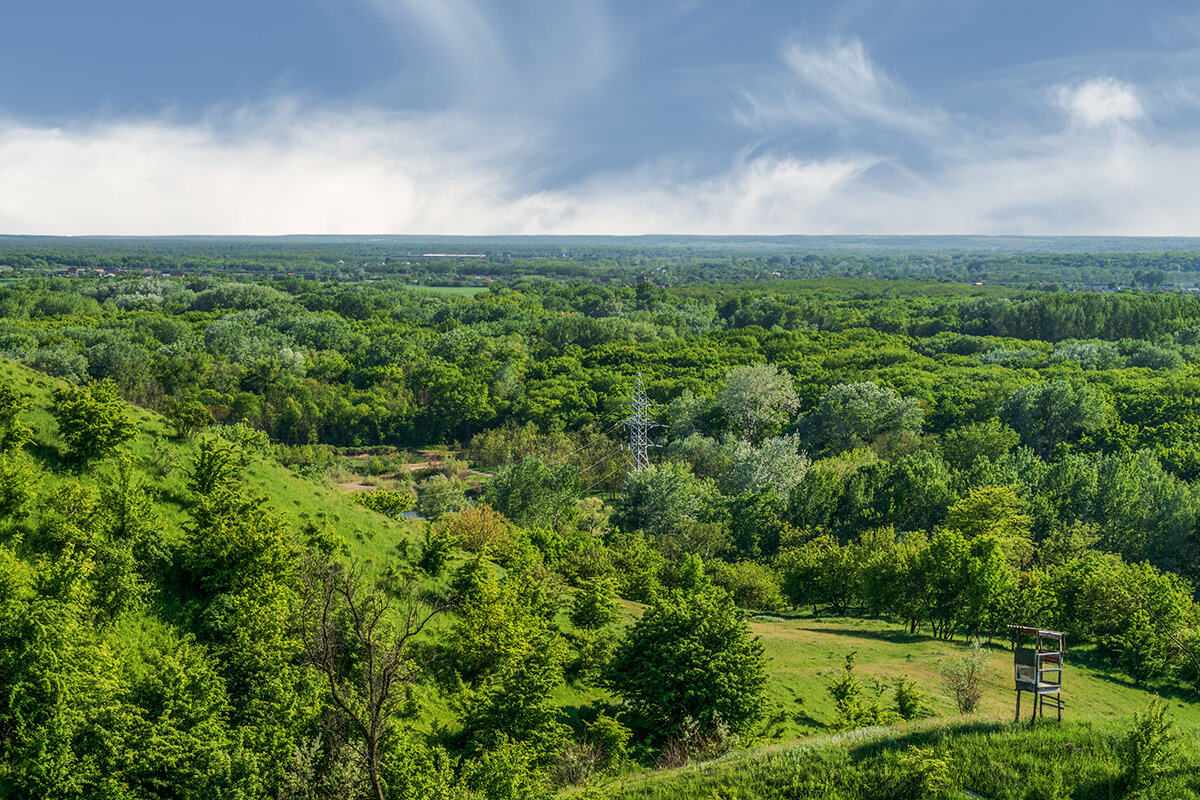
(161, 459)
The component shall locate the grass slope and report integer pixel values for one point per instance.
(998, 761)
(368, 534)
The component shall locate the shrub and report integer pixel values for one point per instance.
(964, 678)
(480, 529)
(909, 699)
(1147, 748)
(852, 711)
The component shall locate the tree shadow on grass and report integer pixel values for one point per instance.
(895, 637)
(922, 738)
(50, 457)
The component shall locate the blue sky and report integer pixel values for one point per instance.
(583, 116)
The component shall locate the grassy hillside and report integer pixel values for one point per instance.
(998, 761)
(164, 459)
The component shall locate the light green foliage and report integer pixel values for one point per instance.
(819, 571)
(963, 583)
(1147, 750)
(595, 604)
(496, 623)
(91, 420)
(753, 586)
(964, 447)
(506, 771)
(440, 495)
(927, 775)
(388, 502)
(215, 467)
(18, 483)
(517, 702)
(776, 463)
(757, 400)
(891, 580)
(14, 432)
(910, 702)
(996, 512)
(687, 415)
(686, 576)
(188, 416)
(664, 500)
(690, 657)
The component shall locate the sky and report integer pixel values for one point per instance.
(268, 117)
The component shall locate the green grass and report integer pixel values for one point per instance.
(806, 653)
(999, 761)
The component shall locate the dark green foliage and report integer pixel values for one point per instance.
(1055, 413)
(691, 657)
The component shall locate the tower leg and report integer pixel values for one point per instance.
(1018, 717)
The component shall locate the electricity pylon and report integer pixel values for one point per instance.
(639, 425)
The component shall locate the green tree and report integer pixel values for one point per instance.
(440, 495)
(853, 414)
(1059, 412)
(665, 500)
(996, 512)
(535, 494)
(964, 447)
(14, 433)
(691, 658)
(595, 605)
(92, 420)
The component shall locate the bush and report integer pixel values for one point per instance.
(909, 699)
(852, 711)
(481, 529)
(691, 661)
(440, 495)
(964, 678)
(1147, 748)
(92, 420)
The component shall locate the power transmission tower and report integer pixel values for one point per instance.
(639, 425)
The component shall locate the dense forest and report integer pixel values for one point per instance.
(941, 457)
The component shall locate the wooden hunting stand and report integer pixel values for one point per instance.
(1038, 669)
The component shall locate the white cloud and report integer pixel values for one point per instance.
(1100, 101)
(290, 168)
(837, 85)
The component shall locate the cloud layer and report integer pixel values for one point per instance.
(890, 164)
